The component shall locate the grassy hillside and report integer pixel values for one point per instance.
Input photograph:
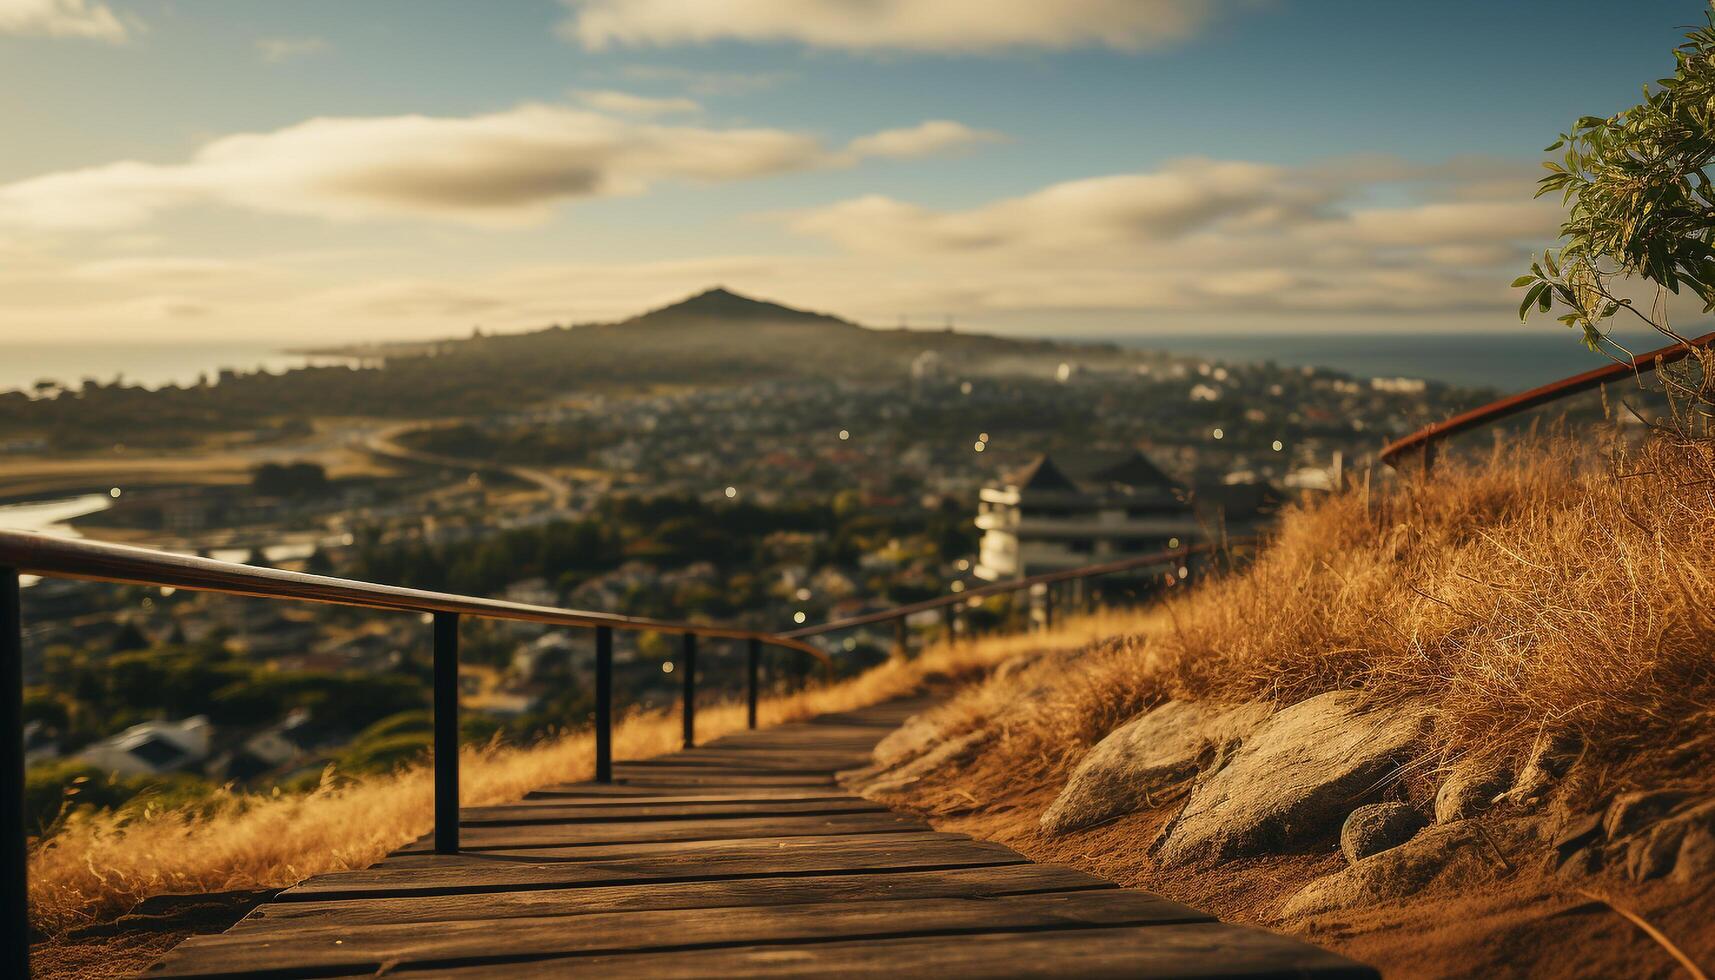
(1547, 595)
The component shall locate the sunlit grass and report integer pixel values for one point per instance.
(1550, 586)
(99, 865)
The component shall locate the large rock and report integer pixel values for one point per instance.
(1663, 847)
(877, 782)
(919, 734)
(1400, 872)
(1552, 755)
(1294, 779)
(1469, 789)
(1377, 827)
(1148, 757)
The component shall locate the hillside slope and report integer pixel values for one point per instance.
(1451, 729)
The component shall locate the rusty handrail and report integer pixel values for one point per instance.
(26, 553)
(40, 554)
(1426, 439)
(1014, 585)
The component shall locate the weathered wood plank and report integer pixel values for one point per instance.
(477, 873)
(692, 777)
(738, 857)
(605, 794)
(975, 883)
(1207, 951)
(343, 947)
(562, 812)
(488, 837)
(676, 850)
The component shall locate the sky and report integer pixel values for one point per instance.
(333, 170)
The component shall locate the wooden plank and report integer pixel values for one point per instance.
(690, 776)
(738, 857)
(561, 812)
(346, 948)
(481, 874)
(1206, 951)
(676, 850)
(484, 837)
(983, 882)
(600, 794)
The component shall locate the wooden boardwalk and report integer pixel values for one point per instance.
(742, 857)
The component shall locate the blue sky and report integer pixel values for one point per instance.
(1055, 166)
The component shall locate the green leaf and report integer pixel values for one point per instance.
(1529, 298)
(1523, 281)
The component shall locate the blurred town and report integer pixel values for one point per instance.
(761, 503)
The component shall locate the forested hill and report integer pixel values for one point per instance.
(719, 336)
(714, 337)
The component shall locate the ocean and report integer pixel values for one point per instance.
(1506, 361)
(23, 364)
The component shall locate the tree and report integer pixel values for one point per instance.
(1640, 207)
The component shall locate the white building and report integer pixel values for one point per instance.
(1080, 509)
(152, 747)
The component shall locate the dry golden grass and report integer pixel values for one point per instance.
(99, 866)
(1548, 586)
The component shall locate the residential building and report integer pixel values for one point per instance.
(153, 747)
(1079, 509)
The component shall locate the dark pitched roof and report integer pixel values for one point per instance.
(1041, 474)
(1091, 470)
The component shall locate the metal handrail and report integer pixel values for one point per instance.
(1013, 585)
(36, 554)
(1426, 439)
(39, 554)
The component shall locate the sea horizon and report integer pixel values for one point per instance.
(1501, 360)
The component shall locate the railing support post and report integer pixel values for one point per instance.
(15, 865)
(604, 704)
(1048, 607)
(446, 733)
(901, 641)
(753, 664)
(689, 665)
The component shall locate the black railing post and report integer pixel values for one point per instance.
(900, 640)
(1048, 607)
(949, 623)
(604, 704)
(689, 666)
(446, 733)
(753, 664)
(15, 865)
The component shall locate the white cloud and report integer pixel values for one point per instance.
(631, 104)
(913, 25)
(62, 18)
(924, 139)
(504, 168)
(279, 50)
(1094, 212)
(1209, 235)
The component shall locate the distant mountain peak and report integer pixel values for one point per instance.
(721, 303)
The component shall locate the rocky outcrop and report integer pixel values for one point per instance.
(1642, 835)
(917, 736)
(1294, 779)
(1468, 789)
(1149, 758)
(886, 780)
(1378, 827)
(1552, 755)
(1398, 872)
